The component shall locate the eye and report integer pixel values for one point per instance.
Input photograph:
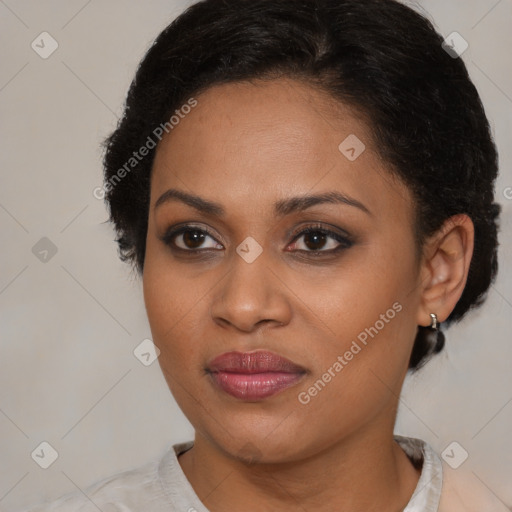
(189, 238)
(318, 239)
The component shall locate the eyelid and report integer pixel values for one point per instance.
(323, 227)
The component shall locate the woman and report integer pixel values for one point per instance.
(306, 189)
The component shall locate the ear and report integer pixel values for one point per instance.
(444, 268)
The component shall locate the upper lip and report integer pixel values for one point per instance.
(253, 362)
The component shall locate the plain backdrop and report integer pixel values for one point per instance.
(71, 317)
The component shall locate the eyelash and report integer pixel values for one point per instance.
(344, 241)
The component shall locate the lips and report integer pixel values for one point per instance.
(253, 376)
(253, 362)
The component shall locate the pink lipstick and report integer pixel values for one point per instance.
(253, 375)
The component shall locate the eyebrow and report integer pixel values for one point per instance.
(281, 208)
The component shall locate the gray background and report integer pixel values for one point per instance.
(68, 326)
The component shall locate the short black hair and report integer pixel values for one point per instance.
(380, 57)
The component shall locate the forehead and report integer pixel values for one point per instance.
(250, 144)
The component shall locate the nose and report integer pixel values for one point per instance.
(250, 295)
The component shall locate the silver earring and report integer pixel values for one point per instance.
(437, 336)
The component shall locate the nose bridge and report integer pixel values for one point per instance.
(250, 293)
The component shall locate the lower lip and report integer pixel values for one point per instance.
(254, 386)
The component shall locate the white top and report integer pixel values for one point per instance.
(161, 486)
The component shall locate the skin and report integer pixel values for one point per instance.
(246, 146)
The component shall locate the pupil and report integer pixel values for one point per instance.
(318, 237)
(193, 239)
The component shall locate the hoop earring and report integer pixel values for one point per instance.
(438, 340)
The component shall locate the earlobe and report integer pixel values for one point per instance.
(445, 267)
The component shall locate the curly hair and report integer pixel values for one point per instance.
(380, 57)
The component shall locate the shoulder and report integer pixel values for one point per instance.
(444, 489)
(127, 491)
(463, 491)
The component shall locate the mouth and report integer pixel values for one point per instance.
(253, 376)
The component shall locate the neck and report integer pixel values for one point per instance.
(365, 471)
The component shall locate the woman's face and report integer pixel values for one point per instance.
(340, 302)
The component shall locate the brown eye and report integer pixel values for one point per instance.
(189, 238)
(320, 240)
(315, 240)
(193, 239)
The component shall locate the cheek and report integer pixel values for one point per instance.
(357, 377)
(173, 310)
(367, 316)
(351, 298)
(174, 305)
(174, 302)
